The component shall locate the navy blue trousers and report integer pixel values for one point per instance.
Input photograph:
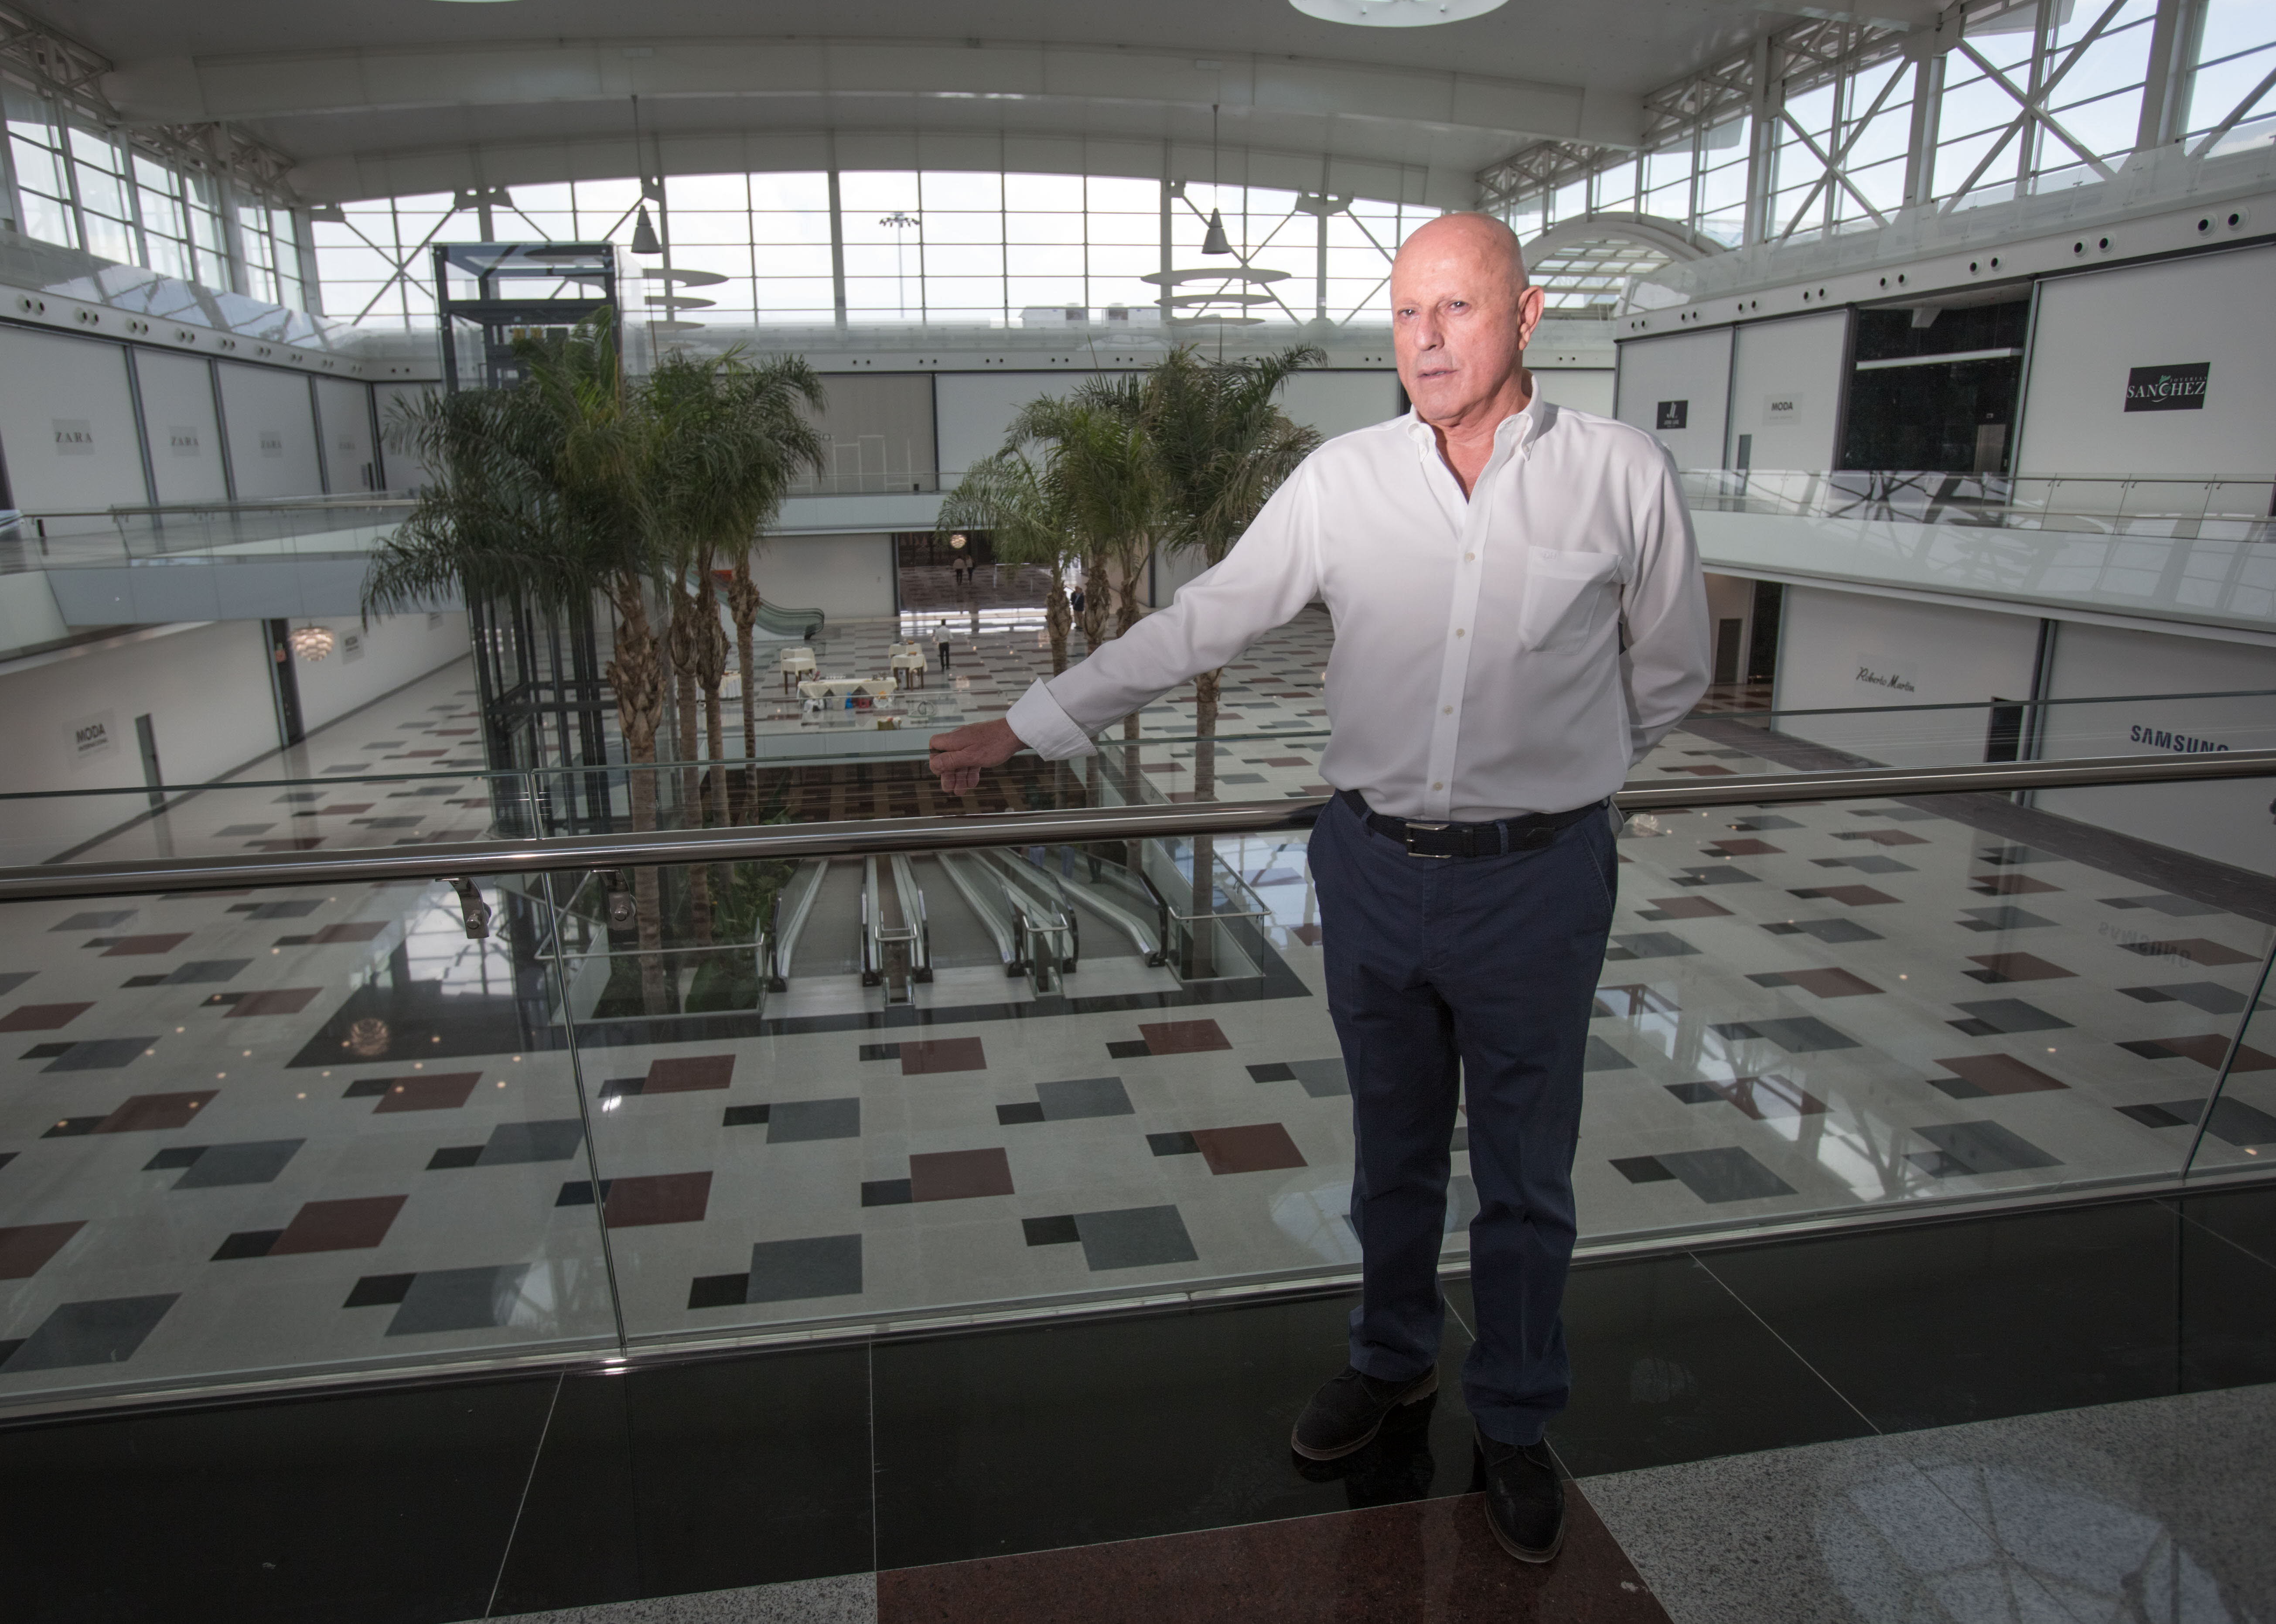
(1473, 975)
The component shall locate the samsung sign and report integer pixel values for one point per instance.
(2166, 389)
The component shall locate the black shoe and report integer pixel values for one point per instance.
(1347, 1414)
(1525, 1499)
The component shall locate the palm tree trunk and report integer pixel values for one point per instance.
(743, 600)
(690, 808)
(1057, 619)
(634, 671)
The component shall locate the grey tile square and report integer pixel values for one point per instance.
(197, 972)
(99, 1054)
(1321, 1078)
(100, 920)
(1832, 932)
(1755, 821)
(106, 1331)
(254, 1162)
(1241, 778)
(2173, 907)
(1871, 863)
(2210, 996)
(13, 980)
(1797, 1034)
(1727, 1174)
(816, 1266)
(1602, 1057)
(1134, 1237)
(1651, 945)
(512, 1143)
(2245, 1127)
(296, 909)
(1977, 1147)
(1084, 1097)
(793, 1122)
(458, 1300)
(2014, 1015)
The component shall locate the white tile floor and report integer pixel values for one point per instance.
(1890, 1065)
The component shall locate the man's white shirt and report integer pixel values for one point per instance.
(1516, 651)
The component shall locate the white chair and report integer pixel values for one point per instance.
(796, 662)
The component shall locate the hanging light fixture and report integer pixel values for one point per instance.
(1213, 239)
(644, 239)
(312, 642)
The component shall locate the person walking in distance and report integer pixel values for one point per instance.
(1520, 616)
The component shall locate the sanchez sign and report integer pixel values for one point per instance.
(2166, 389)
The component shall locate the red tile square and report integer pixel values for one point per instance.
(660, 1198)
(2197, 950)
(443, 1091)
(942, 1054)
(2020, 966)
(2210, 1049)
(148, 1112)
(1184, 1037)
(958, 1175)
(690, 1074)
(1256, 1149)
(1893, 837)
(25, 1248)
(1829, 983)
(1855, 896)
(1688, 907)
(276, 1001)
(43, 1017)
(2010, 884)
(1999, 1073)
(355, 931)
(1745, 848)
(350, 1226)
(141, 946)
(1765, 1097)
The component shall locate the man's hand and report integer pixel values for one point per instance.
(958, 756)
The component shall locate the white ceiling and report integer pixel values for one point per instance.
(398, 95)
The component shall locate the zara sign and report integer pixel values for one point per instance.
(2168, 389)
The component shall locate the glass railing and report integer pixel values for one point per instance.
(219, 531)
(2236, 509)
(299, 1115)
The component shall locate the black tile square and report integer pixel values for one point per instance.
(718, 1291)
(617, 1088)
(721, 1474)
(46, 1052)
(454, 1156)
(75, 1127)
(1058, 1231)
(743, 1116)
(1013, 1115)
(1033, 1412)
(886, 1192)
(374, 1291)
(579, 1193)
(247, 1243)
(881, 1051)
(174, 1157)
(367, 1087)
(1129, 1048)
(1276, 1070)
(1693, 1093)
(143, 981)
(1641, 1169)
(1173, 1144)
(2154, 1116)
(1974, 1028)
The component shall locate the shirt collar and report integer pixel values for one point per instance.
(1515, 433)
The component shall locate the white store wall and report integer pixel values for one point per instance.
(1584, 388)
(971, 410)
(272, 433)
(846, 577)
(177, 414)
(1841, 649)
(67, 423)
(400, 469)
(367, 662)
(344, 414)
(1692, 370)
(67, 723)
(2228, 822)
(1787, 384)
(2094, 328)
(1337, 403)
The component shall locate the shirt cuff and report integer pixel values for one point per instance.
(1047, 729)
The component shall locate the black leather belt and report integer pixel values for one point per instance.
(1504, 835)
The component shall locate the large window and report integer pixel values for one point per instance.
(909, 247)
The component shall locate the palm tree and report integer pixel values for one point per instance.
(1015, 500)
(536, 493)
(1223, 446)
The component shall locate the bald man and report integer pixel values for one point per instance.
(1519, 617)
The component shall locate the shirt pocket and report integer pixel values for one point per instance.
(1565, 594)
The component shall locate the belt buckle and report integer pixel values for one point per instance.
(1427, 829)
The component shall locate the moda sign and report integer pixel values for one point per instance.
(2166, 389)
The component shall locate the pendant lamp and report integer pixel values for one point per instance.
(644, 239)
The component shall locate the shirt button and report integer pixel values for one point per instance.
(1438, 786)
(1469, 557)
(1449, 711)
(1458, 631)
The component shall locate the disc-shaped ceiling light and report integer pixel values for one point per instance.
(1396, 13)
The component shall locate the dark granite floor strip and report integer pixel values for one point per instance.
(1427, 1559)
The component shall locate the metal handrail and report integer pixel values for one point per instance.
(570, 852)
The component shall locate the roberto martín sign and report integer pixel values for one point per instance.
(2166, 389)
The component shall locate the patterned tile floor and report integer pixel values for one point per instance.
(249, 1133)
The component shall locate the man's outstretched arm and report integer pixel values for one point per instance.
(1273, 572)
